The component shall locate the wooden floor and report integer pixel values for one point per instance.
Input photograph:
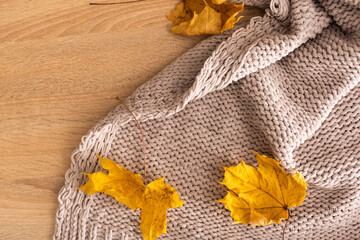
(62, 63)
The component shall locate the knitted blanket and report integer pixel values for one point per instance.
(286, 86)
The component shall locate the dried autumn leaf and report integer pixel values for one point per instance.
(128, 188)
(264, 195)
(196, 17)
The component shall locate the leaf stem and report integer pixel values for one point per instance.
(142, 135)
(287, 220)
(113, 3)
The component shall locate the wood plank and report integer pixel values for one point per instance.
(62, 65)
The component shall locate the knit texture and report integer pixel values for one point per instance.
(286, 85)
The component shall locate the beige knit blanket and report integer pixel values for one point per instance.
(286, 86)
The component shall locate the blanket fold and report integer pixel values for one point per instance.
(286, 85)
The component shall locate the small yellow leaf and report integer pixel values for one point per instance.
(179, 15)
(264, 195)
(128, 188)
(196, 17)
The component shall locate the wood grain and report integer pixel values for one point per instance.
(62, 63)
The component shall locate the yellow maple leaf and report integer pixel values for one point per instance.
(129, 189)
(196, 17)
(264, 195)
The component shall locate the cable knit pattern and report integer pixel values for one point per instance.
(286, 85)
